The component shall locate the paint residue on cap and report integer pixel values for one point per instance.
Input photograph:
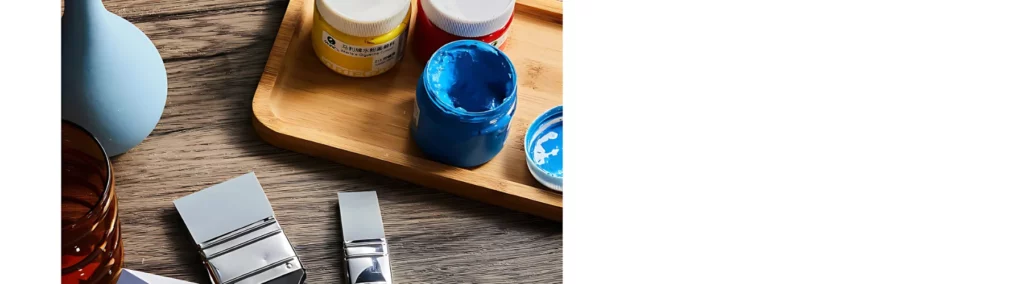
(548, 147)
(471, 76)
(544, 151)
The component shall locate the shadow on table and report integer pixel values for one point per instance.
(185, 251)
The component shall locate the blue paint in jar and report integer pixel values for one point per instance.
(465, 100)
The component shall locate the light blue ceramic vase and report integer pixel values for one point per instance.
(113, 80)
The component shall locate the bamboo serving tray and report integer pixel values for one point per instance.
(302, 106)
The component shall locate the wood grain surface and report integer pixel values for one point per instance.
(301, 105)
(215, 51)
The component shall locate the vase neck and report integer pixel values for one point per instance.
(83, 7)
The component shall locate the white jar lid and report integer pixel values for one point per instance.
(363, 18)
(469, 18)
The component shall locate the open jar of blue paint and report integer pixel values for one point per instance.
(465, 100)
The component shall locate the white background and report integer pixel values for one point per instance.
(712, 141)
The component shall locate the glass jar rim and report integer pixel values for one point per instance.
(105, 195)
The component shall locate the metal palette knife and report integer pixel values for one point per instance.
(366, 257)
(237, 234)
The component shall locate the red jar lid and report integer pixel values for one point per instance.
(457, 20)
(469, 18)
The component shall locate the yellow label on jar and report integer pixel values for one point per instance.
(358, 56)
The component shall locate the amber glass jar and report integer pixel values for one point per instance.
(91, 250)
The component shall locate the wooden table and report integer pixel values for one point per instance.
(215, 51)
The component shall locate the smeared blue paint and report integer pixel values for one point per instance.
(471, 76)
(465, 101)
(544, 148)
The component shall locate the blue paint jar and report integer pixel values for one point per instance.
(465, 100)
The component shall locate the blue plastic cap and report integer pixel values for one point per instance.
(543, 145)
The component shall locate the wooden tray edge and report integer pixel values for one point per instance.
(507, 198)
(548, 9)
(279, 134)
